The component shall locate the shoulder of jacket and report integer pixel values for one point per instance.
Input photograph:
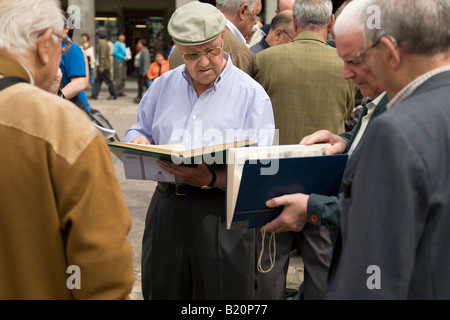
(47, 116)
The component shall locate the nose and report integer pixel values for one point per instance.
(203, 60)
(347, 71)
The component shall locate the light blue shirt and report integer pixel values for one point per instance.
(235, 108)
(120, 51)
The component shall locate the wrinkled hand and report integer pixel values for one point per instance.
(195, 176)
(294, 215)
(338, 144)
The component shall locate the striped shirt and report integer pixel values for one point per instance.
(407, 91)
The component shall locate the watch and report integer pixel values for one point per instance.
(213, 179)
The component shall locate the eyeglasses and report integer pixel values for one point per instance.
(288, 35)
(194, 56)
(67, 43)
(362, 55)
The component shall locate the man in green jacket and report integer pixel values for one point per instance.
(103, 71)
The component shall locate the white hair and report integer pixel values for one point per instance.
(312, 13)
(232, 6)
(23, 21)
(349, 20)
(419, 26)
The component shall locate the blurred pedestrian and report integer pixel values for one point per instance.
(74, 69)
(90, 54)
(158, 67)
(121, 56)
(141, 64)
(103, 70)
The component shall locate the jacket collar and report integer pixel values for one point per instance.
(310, 35)
(10, 67)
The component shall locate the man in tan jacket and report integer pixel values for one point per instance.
(63, 222)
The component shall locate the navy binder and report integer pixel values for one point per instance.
(319, 175)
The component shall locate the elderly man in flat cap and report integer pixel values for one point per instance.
(187, 250)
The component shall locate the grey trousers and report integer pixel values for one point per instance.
(316, 250)
(188, 253)
(120, 76)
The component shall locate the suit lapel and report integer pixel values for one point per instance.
(379, 109)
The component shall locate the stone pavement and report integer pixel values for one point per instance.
(122, 113)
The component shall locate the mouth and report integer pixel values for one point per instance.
(204, 70)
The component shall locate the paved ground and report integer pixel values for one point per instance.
(137, 194)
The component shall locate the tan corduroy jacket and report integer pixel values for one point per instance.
(304, 81)
(63, 221)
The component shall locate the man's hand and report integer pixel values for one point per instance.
(140, 140)
(338, 144)
(294, 215)
(194, 175)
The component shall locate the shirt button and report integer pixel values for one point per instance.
(194, 117)
(314, 218)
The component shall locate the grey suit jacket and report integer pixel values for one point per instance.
(395, 240)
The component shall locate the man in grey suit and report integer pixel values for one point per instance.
(395, 217)
(316, 209)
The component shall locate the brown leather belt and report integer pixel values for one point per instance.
(183, 190)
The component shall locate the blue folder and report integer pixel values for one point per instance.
(319, 175)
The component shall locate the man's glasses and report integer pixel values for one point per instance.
(194, 56)
(362, 55)
(67, 43)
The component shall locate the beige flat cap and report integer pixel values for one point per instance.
(196, 23)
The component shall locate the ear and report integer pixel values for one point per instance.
(242, 10)
(394, 53)
(330, 23)
(278, 33)
(44, 47)
(295, 24)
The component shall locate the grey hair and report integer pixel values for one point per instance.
(283, 20)
(349, 19)
(24, 20)
(312, 13)
(232, 6)
(418, 26)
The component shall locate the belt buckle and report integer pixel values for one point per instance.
(178, 192)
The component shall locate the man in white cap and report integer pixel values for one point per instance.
(187, 251)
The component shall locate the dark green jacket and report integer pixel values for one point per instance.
(325, 210)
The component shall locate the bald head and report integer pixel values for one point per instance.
(284, 5)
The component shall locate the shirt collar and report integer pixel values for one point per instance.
(372, 104)
(264, 43)
(235, 31)
(407, 91)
